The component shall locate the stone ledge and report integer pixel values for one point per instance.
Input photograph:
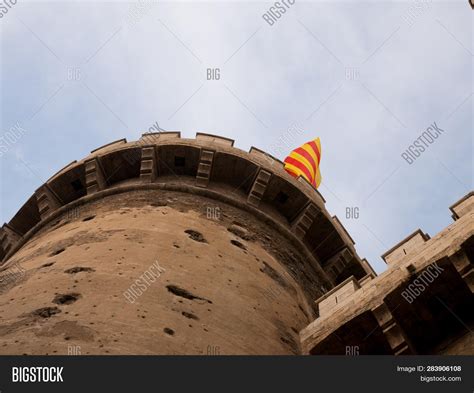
(201, 136)
(95, 173)
(412, 241)
(117, 142)
(463, 206)
(448, 243)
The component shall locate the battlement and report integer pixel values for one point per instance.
(408, 246)
(207, 165)
(409, 308)
(336, 296)
(463, 206)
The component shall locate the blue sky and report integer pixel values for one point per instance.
(368, 78)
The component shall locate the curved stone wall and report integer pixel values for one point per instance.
(170, 246)
(209, 163)
(152, 272)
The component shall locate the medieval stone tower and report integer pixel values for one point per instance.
(190, 246)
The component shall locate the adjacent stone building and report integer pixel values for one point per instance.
(422, 304)
(170, 245)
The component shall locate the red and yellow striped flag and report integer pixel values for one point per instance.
(304, 161)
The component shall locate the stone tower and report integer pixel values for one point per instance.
(170, 246)
(422, 304)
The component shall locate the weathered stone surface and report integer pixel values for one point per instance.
(427, 288)
(190, 246)
(245, 310)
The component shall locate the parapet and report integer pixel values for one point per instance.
(463, 206)
(336, 296)
(214, 139)
(414, 307)
(209, 165)
(408, 246)
(110, 145)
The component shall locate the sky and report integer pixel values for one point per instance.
(368, 78)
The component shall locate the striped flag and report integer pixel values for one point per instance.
(304, 161)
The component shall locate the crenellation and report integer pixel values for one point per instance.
(464, 206)
(107, 146)
(352, 301)
(62, 170)
(336, 297)
(320, 199)
(157, 137)
(210, 138)
(91, 175)
(406, 299)
(265, 157)
(407, 246)
(366, 279)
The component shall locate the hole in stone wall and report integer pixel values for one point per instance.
(57, 252)
(78, 269)
(184, 293)
(67, 298)
(238, 244)
(169, 331)
(195, 235)
(46, 312)
(189, 315)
